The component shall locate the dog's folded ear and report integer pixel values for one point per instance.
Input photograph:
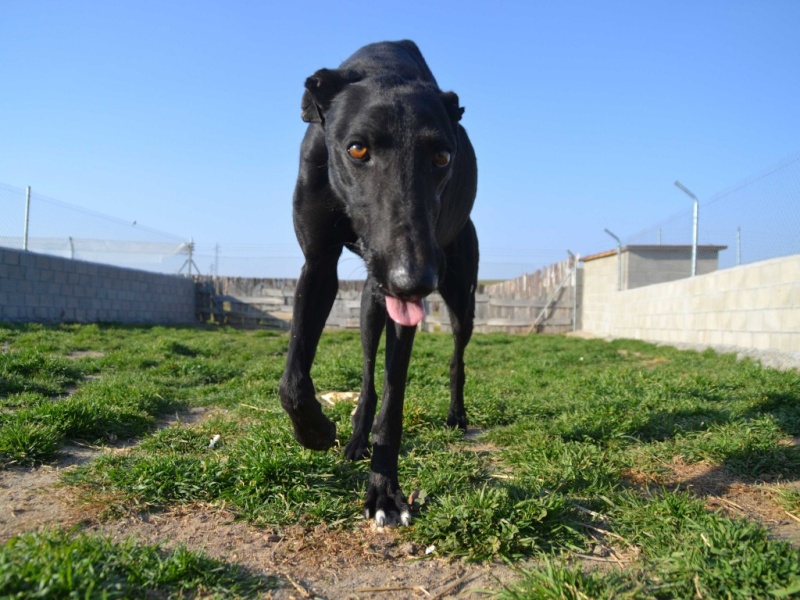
(321, 88)
(450, 100)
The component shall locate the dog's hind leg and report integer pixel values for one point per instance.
(373, 318)
(314, 296)
(458, 291)
(384, 496)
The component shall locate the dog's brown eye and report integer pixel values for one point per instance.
(441, 158)
(358, 151)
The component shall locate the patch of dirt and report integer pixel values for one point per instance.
(476, 443)
(78, 354)
(31, 498)
(363, 562)
(774, 359)
(646, 363)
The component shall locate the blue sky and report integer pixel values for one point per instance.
(186, 116)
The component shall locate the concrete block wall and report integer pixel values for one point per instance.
(43, 288)
(750, 306)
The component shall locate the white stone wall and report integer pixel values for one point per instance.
(750, 306)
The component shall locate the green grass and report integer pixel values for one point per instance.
(693, 551)
(57, 564)
(568, 426)
(686, 552)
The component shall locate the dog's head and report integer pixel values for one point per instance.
(392, 148)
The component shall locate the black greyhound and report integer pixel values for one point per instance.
(387, 171)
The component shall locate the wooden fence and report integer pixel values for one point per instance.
(541, 302)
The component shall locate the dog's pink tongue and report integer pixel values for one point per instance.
(405, 312)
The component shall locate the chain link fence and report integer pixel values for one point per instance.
(757, 219)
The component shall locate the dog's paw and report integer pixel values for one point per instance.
(457, 421)
(382, 519)
(357, 448)
(387, 505)
(313, 429)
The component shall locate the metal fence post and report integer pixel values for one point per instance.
(695, 219)
(576, 258)
(738, 245)
(619, 259)
(695, 212)
(27, 218)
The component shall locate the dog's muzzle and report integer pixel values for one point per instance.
(406, 291)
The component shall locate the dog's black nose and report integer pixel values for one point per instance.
(414, 283)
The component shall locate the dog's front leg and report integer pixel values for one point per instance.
(313, 299)
(373, 318)
(384, 496)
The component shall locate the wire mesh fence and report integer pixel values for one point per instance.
(32, 221)
(240, 259)
(756, 219)
(12, 214)
(70, 231)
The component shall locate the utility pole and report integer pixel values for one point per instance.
(189, 262)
